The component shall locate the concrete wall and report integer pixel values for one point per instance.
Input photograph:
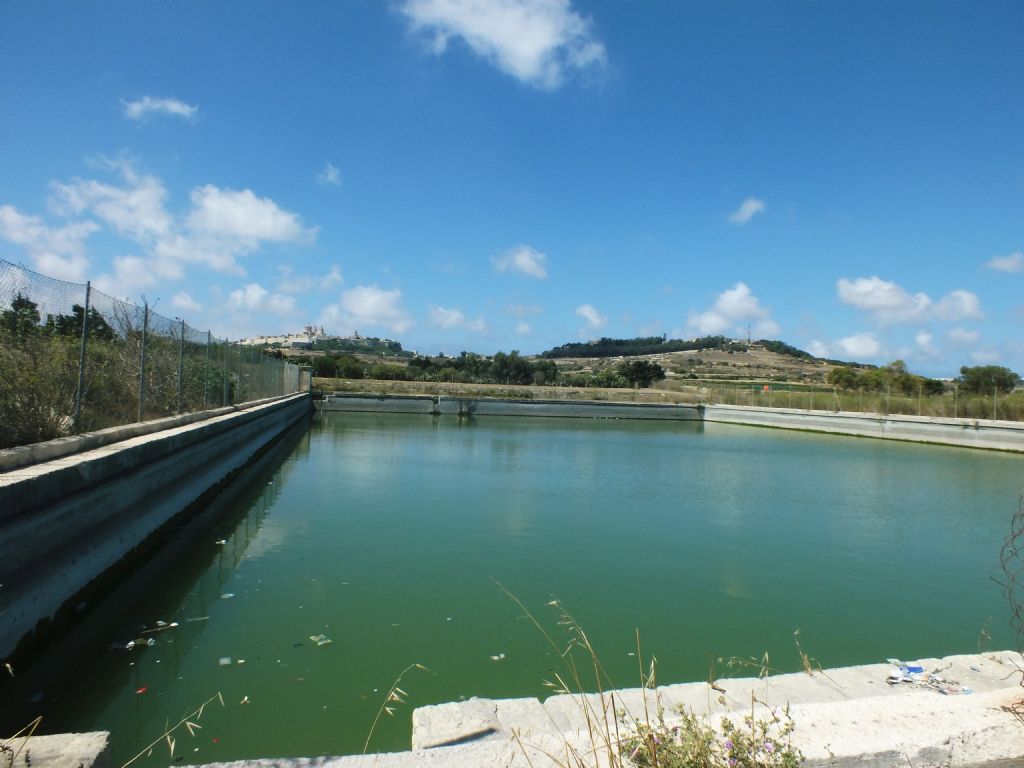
(438, 405)
(970, 433)
(65, 522)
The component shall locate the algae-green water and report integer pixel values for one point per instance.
(386, 534)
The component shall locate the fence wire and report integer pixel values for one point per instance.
(73, 359)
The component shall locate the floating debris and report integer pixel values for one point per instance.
(160, 627)
(227, 595)
(222, 542)
(131, 645)
(224, 661)
(498, 657)
(321, 639)
(142, 690)
(245, 700)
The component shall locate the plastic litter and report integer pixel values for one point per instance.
(224, 661)
(222, 542)
(915, 674)
(321, 639)
(498, 657)
(142, 690)
(227, 595)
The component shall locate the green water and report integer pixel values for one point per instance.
(385, 532)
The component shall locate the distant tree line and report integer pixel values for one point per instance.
(367, 344)
(894, 378)
(471, 368)
(782, 348)
(647, 345)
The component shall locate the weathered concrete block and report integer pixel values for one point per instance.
(60, 750)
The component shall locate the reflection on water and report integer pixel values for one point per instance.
(385, 533)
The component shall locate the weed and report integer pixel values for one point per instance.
(618, 738)
(393, 697)
(188, 722)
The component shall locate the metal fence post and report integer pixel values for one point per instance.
(81, 360)
(181, 360)
(224, 399)
(142, 360)
(206, 371)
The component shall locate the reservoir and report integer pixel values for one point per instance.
(387, 535)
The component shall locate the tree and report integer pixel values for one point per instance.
(641, 373)
(71, 325)
(985, 379)
(22, 319)
(843, 377)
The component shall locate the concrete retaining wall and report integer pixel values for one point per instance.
(453, 406)
(969, 433)
(65, 522)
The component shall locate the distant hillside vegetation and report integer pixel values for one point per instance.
(657, 345)
(647, 345)
(782, 348)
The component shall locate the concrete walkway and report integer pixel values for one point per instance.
(849, 717)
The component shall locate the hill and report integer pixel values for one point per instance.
(707, 358)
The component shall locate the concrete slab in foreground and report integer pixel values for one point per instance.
(845, 718)
(62, 750)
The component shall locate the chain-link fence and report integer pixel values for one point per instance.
(73, 359)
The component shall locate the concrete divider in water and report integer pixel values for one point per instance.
(467, 406)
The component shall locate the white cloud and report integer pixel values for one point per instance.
(960, 335)
(330, 176)
(959, 305)
(185, 303)
(1012, 263)
(886, 300)
(135, 210)
(253, 297)
(147, 105)
(535, 41)
(923, 339)
(860, 345)
(295, 284)
(523, 328)
(220, 226)
(818, 348)
(747, 210)
(523, 260)
(56, 252)
(732, 309)
(367, 306)
(249, 297)
(890, 303)
(131, 274)
(455, 318)
(244, 217)
(595, 320)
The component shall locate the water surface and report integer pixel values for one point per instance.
(386, 533)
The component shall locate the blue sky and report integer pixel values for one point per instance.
(515, 174)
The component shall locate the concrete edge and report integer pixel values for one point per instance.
(37, 453)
